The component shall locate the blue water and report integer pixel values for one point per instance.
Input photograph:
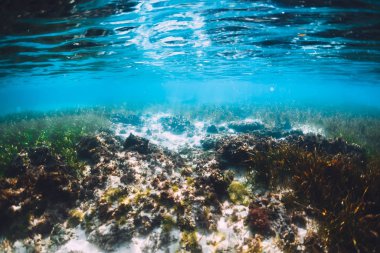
(97, 53)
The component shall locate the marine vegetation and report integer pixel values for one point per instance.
(189, 241)
(238, 193)
(60, 132)
(248, 192)
(330, 178)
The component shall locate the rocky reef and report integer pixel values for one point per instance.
(241, 189)
(36, 193)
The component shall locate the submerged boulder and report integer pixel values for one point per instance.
(108, 236)
(258, 219)
(208, 143)
(240, 150)
(176, 125)
(42, 156)
(93, 148)
(136, 143)
(212, 129)
(43, 182)
(130, 119)
(311, 142)
(246, 127)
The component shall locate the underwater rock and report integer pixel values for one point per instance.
(42, 156)
(311, 142)
(43, 225)
(283, 125)
(92, 148)
(237, 151)
(277, 133)
(87, 147)
(136, 143)
(246, 127)
(274, 133)
(176, 125)
(145, 224)
(110, 235)
(212, 129)
(129, 177)
(258, 219)
(299, 219)
(130, 119)
(57, 186)
(216, 179)
(220, 181)
(186, 222)
(170, 197)
(208, 143)
(19, 165)
(59, 235)
(234, 153)
(43, 190)
(189, 242)
(313, 243)
(76, 217)
(167, 198)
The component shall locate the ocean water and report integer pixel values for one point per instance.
(189, 126)
(100, 53)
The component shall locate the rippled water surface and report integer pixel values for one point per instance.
(82, 52)
(189, 126)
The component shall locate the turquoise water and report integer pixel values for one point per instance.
(99, 53)
(189, 126)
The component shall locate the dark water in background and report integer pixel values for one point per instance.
(78, 53)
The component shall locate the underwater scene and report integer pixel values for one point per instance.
(189, 126)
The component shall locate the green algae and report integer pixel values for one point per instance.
(58, 131)
(238, 193)
(190, 181)
(189, 241)
(141, 195)
(76, 216)
(168, 222)
(175, 188)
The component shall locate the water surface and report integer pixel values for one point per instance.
(86, 53)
